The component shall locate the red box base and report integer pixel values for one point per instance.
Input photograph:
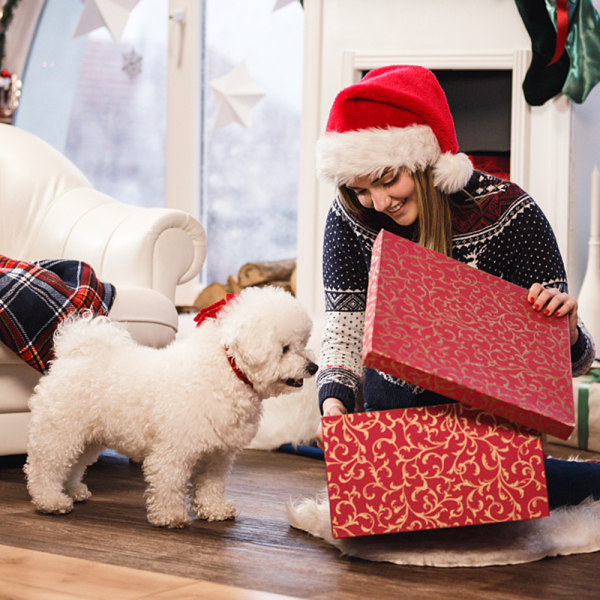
(429, 468)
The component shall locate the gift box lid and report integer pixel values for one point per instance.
(430, 467)
(468, 335)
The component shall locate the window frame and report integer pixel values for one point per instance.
(183, 145)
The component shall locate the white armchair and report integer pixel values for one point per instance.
(50, 210)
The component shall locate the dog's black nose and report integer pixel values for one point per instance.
(312, 368)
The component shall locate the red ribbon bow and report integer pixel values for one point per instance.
(211, 312)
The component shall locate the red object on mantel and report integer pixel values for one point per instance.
(430, 467)
(497, 164)
(468, 335)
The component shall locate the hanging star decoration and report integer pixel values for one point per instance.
(112, 14)
(236, 94)
(132, 64)
(281, 3)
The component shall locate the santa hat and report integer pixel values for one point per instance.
(396, 116)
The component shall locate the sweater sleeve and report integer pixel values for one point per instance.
(345, 279)
(536, 258)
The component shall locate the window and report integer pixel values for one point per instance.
(108, 121)
(113, 123)
(251, 174)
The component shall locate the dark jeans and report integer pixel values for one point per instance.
(568, 482)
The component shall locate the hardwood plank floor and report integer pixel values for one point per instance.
(258, 551)
(39, 575)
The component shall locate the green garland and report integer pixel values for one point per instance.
(5, 21)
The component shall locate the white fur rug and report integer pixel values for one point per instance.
(572, 530)
(288, 419)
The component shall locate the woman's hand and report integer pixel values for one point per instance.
(554, 302)
(331, 406)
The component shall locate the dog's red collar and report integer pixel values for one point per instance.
(236, 369)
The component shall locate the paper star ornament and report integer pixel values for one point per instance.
(236, 94)
(112, 14)
(281, 3)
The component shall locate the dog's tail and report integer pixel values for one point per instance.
(83, 334)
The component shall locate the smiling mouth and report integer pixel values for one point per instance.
(294, 382)
(394, 209)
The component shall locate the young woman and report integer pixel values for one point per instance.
(391, 149)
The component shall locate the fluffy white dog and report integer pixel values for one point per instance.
(184, 411)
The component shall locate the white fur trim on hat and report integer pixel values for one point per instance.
(342, 157)
(451, 172)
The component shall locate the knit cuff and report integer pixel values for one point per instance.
(578, 348)
(337, 390)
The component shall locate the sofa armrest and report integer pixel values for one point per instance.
(157, 248)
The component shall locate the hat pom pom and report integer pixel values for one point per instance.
(452, 172)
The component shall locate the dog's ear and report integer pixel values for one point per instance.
(250, 342)
(253, 326)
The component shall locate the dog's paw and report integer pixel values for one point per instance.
(175, 521)
(60, 504)
(79, 493)
(216, 512)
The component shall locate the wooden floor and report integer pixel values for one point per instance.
(41, 576)
(258, 552)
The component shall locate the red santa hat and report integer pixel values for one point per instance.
(396, 116)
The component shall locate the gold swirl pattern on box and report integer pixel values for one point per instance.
(468, 335)
(430, 468)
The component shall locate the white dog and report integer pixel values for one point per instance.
(184, 411)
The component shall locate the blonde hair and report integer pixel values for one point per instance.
(433, 210)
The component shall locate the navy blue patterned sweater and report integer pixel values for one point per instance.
(503, 232)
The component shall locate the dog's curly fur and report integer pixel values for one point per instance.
(180, 410)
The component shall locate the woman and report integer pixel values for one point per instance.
(391, 149)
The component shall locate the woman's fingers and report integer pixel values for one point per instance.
(331, 406)
(551, 301)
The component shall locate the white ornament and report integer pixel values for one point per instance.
(236, 94)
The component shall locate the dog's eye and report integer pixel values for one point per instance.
(285, 349)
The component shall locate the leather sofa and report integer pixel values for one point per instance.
(50, 210)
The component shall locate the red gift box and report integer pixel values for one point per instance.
(428, 468)
(468, 335)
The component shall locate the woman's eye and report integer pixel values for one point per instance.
(390, 182)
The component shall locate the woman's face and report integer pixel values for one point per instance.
(392, 195)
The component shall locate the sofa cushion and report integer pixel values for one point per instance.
(151, 318)
(16, 383)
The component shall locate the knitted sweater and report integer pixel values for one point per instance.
(503, 233)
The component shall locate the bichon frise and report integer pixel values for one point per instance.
(184, 411)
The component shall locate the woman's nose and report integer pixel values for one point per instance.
(381, 199)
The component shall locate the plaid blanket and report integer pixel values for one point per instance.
(36, 296)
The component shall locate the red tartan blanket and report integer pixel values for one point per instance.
(36, 296)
